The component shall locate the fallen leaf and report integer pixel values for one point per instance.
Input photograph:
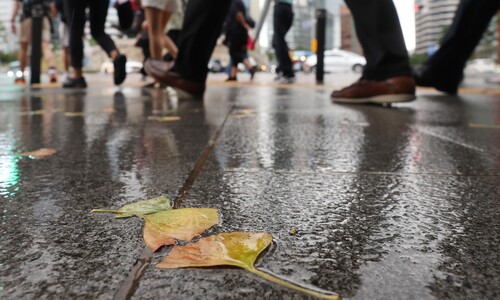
(488, 126)
(40, 153)
(163, 228)
(293, 230)
(109, 110)
(32, 113)
(165, 119)
(239, 249)
(74, 114)
(244, 113)
(140, 208)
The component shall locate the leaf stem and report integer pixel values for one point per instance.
(292, 286)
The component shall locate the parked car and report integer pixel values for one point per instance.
(215, 66)
(481, 65)
(131, 67)
(337, 60)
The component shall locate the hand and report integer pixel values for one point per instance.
(13, 28)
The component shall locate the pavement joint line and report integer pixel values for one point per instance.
(362, 173)
(485, 126)
(450, 140)
(200, 163)
(129, 286)
(127, 289)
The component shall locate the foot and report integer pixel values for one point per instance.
(230, 78)
(426, 76)
(392, 90)
(75, 83)
(20, 80)
(52, 75)
(286, 80)
(119, 64)
(154, 85)
(162, 72)
(253, 70)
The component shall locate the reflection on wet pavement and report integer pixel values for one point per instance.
(397, 202)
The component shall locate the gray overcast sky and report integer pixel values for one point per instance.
(406, 12)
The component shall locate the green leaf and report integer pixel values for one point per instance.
(239, 249)
(140, 208)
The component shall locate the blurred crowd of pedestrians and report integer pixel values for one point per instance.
(387, 76)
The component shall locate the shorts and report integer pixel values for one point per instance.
(63, 34)
(165, 5)
(26, 24)
(237, 54)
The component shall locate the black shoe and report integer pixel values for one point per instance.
(448, 83)
(253, 70)
(231, 79)
(120, 71)
(78, 83)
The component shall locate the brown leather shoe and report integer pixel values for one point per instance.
(161, 71)
(392, 90)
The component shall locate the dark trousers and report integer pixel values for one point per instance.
(202, 26)
(283, 19)
(76, 16)
(380, 35)
(470, 22)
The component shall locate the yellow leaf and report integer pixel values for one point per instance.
(239, 249)
(165, 119)
(242, 113)
(74, 114)
(109, 110)
(40, 153)
(163, 228)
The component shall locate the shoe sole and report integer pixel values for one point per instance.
(382, 99)
(181, 94)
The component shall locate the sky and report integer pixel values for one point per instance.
(406, 12)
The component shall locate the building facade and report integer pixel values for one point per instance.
(349, 40)
(432, 19)
(8, 41)
(303, 29)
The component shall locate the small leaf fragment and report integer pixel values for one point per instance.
(74, 114)
(293, 230)
(40, 153)
(163, 228)
(109, 110)
(140, 208)
(244, 113)
(165, 119)
(239, 249)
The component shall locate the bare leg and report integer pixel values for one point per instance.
(234, 71)
(167, 41)
(78, 72)
(113, 54)
(247, 64)
(23, 56)
(48, 54)
(66, 59)
(154, 17)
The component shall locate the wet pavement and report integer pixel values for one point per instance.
(389, 203)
